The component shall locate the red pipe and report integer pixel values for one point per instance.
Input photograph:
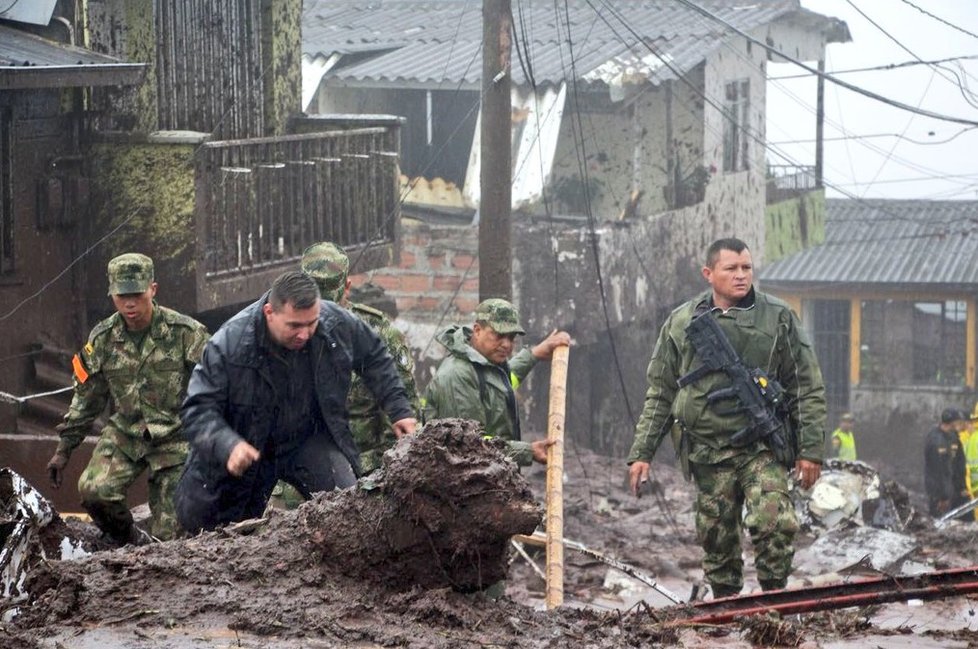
(938, 585)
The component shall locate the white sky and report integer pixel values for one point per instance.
(887, 167)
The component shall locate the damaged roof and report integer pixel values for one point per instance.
(417, 43)
(29, 61)
(897, 243)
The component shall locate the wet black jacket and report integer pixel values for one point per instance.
(944, 467)
(230, 397)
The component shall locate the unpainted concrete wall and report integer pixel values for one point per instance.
(147, 192)
(794, 225)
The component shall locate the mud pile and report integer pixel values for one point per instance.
(395, 563)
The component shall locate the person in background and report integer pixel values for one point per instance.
(843, 439)
(970, 441)
(326, 263)
(944, 465)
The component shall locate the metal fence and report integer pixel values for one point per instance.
(262, 201)
(788, 181)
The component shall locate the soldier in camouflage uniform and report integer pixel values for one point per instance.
(329, 266)
(766, 335)
(477, 379)
(139, 360)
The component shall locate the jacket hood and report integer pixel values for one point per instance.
(456, 341)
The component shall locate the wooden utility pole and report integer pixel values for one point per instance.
(495, 251)
(820, 124)
(555, 478)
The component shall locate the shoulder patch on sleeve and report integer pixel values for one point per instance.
(79, 366)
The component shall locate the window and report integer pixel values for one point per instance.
(6, 192)
(913, 343)
(736, 124)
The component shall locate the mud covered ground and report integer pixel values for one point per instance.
(339, 571)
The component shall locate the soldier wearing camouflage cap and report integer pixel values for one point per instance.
(326, 263)
(478, 378)
(138, 360)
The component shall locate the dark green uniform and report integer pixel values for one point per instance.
(144, 378)
(468, 386)
(371, 428)
(766, 335)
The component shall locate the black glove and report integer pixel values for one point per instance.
(56, 469)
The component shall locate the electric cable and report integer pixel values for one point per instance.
(839, 82)
(939, 19)
(582, 168)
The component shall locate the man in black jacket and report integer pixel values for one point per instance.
(944, 464)
(267, 402)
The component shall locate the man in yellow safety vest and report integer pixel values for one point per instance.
(843, 439)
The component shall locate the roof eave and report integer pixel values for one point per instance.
(835, 30)
(20, 77)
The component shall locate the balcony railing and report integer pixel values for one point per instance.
(261, 202)
(788, 181)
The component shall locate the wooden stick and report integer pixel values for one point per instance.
(555, 477)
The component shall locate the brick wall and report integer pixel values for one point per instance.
(435, 260)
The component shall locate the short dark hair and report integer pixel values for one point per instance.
(296, 288)
(731, 244)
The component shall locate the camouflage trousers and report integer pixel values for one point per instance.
(117, 461)
(760, 483)
(374, 437)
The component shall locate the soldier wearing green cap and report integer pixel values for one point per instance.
(326, 263)
(138, 360)
(477, 379)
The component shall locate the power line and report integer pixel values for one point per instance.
(577, 129)
(909, 180)
(959, 83)
(827, 77)
(870, 136)
(940, 20)
(877, 68)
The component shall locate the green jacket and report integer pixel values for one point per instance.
(144, 385)
(456, 390)
(767, 335)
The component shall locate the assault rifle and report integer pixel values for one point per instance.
(757, 394)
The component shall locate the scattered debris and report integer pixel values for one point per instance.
(852, 492)
(842, 550)
(25, 538)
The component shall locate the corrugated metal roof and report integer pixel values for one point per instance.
(441, 41)
(29, 61)
(888, 242)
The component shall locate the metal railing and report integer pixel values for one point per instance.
(261, 202)
(788, 181)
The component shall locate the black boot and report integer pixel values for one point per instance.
(772, 584)
(724, 590)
